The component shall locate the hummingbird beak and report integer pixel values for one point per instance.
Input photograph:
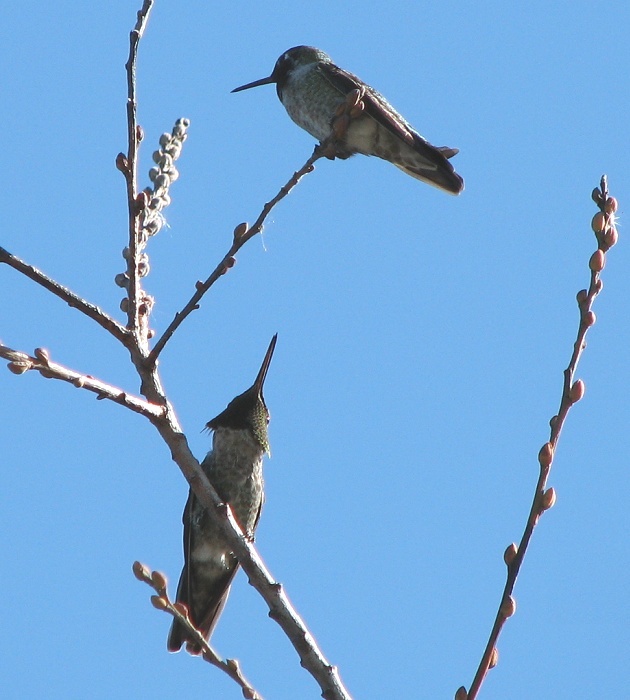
(256, 83)
(262, 373)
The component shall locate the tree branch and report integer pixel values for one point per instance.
(603, 225)
(136, 310)
(21, 362)
(161, 601)
(242, 234)
(76, 302)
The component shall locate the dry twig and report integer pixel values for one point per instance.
(603, 225)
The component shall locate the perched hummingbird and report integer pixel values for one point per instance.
(234, 468)
(311, 88)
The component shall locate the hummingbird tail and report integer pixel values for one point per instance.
(431, 165)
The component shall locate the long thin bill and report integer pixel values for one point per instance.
(256, 83)
(260, 379)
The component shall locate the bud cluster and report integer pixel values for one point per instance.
(162, 175)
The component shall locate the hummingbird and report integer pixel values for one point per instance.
(234, 468)
(312, 88)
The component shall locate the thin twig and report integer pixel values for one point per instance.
(161, 601)
(572, 391)
(76, 302)
(129, 166)
(242, 234)
(329, 148)
(21, 362)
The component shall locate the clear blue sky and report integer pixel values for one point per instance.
(421, 345)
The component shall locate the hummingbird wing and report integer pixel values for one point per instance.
(430, 164)
(204, 598)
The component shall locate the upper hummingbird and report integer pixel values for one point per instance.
(234, 468)
(311, 88)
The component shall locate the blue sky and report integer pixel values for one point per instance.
(422, 340)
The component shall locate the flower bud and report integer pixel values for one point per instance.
(610, 237)
(42, 355)
(510, 553)
(576, 392)
(159, 602)
(597, 261)
(240, 230)
(598, 223)
(141, 572)
(122, 280)
(122, 163)
(548, 499)
(611, 205)
(19, 367)
(545, 456)
(508, 607)
(158, 579)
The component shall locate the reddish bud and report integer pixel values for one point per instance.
(122, 163)
(141, 572)
(240, 230)
(545, 456)
(611, 205)
(461, 694)
(597, 196)
(589, 319)
(598, 222)
(597, 261)
(159, 602)
(19, 367)
(576, 392)
(548, 499)
(42, 355)
(158, 580)
(510, 553)
(610, 237)
(508, 607)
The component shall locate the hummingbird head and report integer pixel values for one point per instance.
(248, 410)
(290, 60)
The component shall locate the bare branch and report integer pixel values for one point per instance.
(603, 225)
(161, 601)
(243, 233)
(21, 362)
(128, 165)
(76, 302)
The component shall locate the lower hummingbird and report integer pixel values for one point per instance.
(312, 88)
(234, 468)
